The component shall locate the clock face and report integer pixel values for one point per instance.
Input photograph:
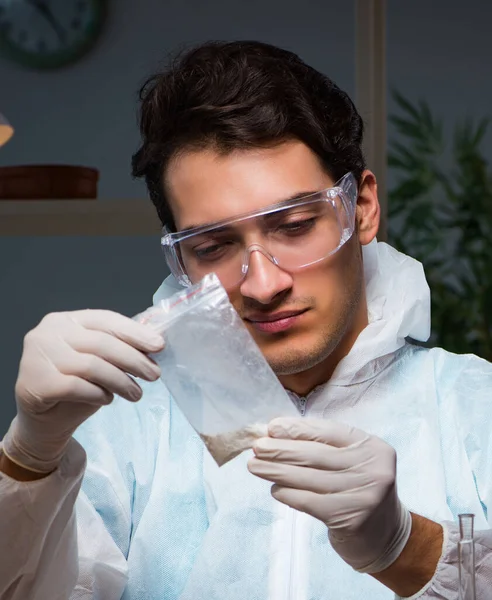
(49, 33)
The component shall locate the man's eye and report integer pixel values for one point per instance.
(212, 251)
(300, 226)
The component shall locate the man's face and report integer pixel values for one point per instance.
(327, 298)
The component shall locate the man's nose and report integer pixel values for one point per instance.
(264, 279)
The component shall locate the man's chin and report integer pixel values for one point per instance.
(294, 362)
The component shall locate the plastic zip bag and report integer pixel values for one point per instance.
(214, 370)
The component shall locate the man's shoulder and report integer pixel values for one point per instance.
(457, 373)
(460, 380)
(461, 366)
(445, 360)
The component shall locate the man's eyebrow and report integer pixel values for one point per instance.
(278, 204)
(294, 197)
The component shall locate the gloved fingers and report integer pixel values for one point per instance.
(97, 371)
(139, 335)
(114, 351)
(302, 500)
(310, 454)
(318, 430)
(74, 389)
(335, 512)
(306, 478)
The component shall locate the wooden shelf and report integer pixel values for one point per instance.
(78, 217)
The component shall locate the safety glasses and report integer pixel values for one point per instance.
(292, 235)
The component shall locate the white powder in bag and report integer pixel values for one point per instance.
(226, 446)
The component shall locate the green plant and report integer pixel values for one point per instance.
(440, 212)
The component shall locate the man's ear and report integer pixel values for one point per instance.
(368, 211)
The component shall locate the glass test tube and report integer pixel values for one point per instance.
(466, 554)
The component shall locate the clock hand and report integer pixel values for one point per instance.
(43, 8)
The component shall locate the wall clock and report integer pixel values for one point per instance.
(47, 34)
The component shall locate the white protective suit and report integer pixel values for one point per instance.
(158, 520)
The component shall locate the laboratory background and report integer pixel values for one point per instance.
(419, 72)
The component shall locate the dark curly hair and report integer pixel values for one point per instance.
(239, 95)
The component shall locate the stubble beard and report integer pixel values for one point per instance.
(331, 334)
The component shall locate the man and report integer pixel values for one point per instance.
(254, 163)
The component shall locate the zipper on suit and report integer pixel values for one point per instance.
(294, 591)
(289, 569)
(302, 406)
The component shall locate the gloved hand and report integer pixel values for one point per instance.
(72, 364)
(343, 477)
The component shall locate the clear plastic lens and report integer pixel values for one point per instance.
(292, 240)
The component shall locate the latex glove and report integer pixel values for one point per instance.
(72, 364)
(343, 477)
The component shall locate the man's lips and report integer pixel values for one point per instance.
(261, 318)
(275, 322)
